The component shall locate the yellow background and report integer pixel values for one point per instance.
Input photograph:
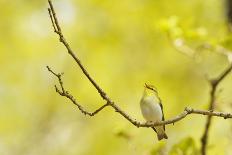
(123, 45)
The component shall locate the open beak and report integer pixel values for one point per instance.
(150, 87)
(145, 85)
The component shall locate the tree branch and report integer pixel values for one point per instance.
(180, 46)
(177, 118)
(58, 30)
(109, 102)
(65, 93)
(213, 84)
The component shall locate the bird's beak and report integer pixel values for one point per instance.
(145, 85)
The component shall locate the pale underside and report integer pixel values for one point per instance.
(152, 111)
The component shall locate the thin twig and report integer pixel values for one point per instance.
(52, 20)
(65, 93)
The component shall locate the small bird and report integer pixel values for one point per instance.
(152, 109)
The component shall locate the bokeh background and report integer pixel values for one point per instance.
(123, 44)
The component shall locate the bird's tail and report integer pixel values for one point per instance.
(160, 134)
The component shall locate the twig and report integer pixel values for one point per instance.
(65, 93)
(109, 102)
(214, 84)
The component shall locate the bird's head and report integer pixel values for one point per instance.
(150, 90)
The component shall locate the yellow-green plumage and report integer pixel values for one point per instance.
(152, 110)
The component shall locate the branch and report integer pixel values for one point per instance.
(65, 93)
(217, 48)
(57, 30)
(177, 118)
(181, 46)
(109, 102)
(213, 84)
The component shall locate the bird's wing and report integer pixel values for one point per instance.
(154, 129)
(162, 113)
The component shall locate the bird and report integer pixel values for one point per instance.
(152, 109)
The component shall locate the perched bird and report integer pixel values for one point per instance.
(152, 109)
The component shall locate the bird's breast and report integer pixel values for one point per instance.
(151, 110)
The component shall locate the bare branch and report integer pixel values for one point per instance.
(214, 84)
(187, 111)
(65, 43)
(70, 97)
(177, 118)
(180, 45)
(222, 76)
(52, 20)
(218, 48)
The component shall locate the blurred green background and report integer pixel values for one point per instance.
(123, 44)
